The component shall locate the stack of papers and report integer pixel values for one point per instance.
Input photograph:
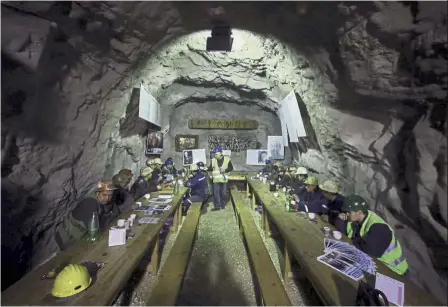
(148, 220)
(117, 236)
(347, 259)
(393, 289)
(159, 200)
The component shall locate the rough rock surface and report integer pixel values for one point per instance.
(371, 77)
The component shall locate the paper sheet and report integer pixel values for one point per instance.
(144, 105)
(256, 156)
(117, 237)
(226, 152)
(199, 156)
(284, 129)
(393, 289)
(276, 147)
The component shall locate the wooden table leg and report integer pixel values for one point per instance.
(286, 265)
(265, 222)
(254, 201)
(176, 219)
(153, 266)
(247, 190)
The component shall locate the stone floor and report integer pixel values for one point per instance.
(219, 271)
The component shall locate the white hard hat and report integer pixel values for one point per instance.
(301, 171)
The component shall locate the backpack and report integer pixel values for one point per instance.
(369, 296)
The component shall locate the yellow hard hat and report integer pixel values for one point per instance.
(105, 185)
(311, 180)
(292, 169)
(194, 168)
(149, 162)
(158, 161)
(73, 279)
(330, 186)
(301, 171)
(278, 163)
(146, 172)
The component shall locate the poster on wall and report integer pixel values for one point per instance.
(256, 157)
(154, 143)
(225, 152)
(193, 156)
(276, 147)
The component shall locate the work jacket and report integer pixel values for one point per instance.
(124, 199)
(298, 187)
(166, 171)
(286, 180)
(392, 256)
(333, 208)
(226, 166)
(198, 185)
(312, 201)
(142, 186)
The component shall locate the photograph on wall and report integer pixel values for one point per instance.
(185, 142)
(276, 147)
(225, 152)
(187, 157)
(256, 156)
(154, 143)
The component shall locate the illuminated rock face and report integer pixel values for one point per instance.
(375, 122)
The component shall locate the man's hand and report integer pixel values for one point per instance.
(296, 197)
(342, 216)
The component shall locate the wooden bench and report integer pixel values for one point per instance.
(272, 290)
(121, 261)
(304, 241)
(170, 278)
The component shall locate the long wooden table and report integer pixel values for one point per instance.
(121, 261)
(305, 241)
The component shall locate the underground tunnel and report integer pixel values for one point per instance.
(370, 80)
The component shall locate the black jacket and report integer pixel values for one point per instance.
(141, 187)
(298, 187)
(375, 241)
(314, 201)
(334, 208)
(123, 199)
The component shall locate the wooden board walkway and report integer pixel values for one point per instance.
(272, 290)
(121, 261)
(170, 278)
(305, 241)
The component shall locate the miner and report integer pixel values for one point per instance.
(220, 167)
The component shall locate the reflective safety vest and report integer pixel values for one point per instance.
(217, 177)
(71, 229)
(393, 255)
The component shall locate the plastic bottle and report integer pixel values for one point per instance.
(94, 227)
(287, 206)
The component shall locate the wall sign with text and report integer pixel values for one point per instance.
(222, 123)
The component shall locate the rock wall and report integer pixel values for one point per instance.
(269, 124)
(371, 78)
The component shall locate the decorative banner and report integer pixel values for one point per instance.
(149, 108)
(183, 142)
(276, 147)
(154, 143)
(257, 157)
(222, 123)
(233, 142)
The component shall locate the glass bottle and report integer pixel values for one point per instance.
(94, 227)
(287, 206)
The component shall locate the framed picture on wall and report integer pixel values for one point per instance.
(154, 143)
(185, 142)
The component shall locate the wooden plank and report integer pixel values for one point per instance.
(272, 289)
(153, 266)
(305, 242)
(223, 124)
(120, 261)
(169, 281)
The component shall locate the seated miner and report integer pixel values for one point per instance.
(312, 199)
(298, 185)
(169, 172)
(128, 173)
(220, 166)
(76, 224)
(268, 168)
(156, 165)
(198, 188)
(330, 190)
(287, 178)
(371, 234)
(122, 197)
(202, 166)
(143, 184)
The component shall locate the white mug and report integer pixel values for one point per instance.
(133, 216)
(120, 223)
(311, 215)
(139, 203)
(284, 190)
(337, 235)
(147, 196)
(130, 221)
(275, 194)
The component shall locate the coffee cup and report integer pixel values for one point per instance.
(121, 222)
(284, 190)
(275, 194)
(337, 235)
(312, 215)
(133, 216)
(139, 203)
(327, 231)
(147, 196)
(302, 214)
